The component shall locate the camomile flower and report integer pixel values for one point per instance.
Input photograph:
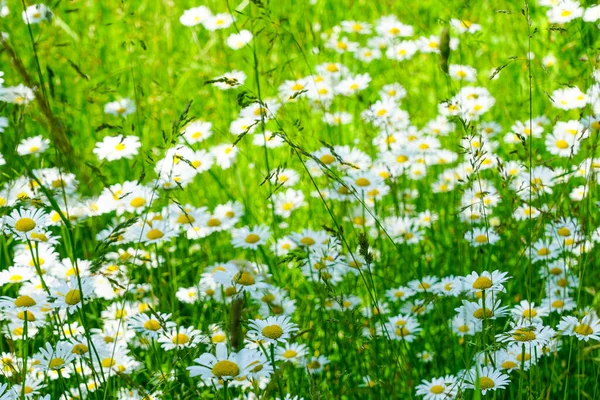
(486, 378)
(34, 145)
(19, 95)
(36, 13)
(478, 311)
(68, 295)
(403, 327)
(293, 352)
(55, 358)
(527, 333)
(359, 27)
(564, 12)
(180, 338)
(529, 312)
(272, 330)
(462, 72)
(391, 28)
(120, 108)
(443, 388)
(283, 246)
(25, 222)
(223, 365)
(151, 325)
(197, 131)
(490, 282)
(569, 98)
(113, 148)
(224, 154)
(562, 144)
(218, 21)
(585, 328)
(250, 238)
(287, 202)
(315, 365)
(400, 293)
(238, 40)
(31, 387)
(157, 232)
(195, 16)
(15, 274)
(481, 236)
(236, 279)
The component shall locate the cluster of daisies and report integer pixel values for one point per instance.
(48, 291)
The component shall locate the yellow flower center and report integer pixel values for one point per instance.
(583, 329)
(482, 283)
(529, 313)
(24, 301)
(562, 144)
(290, 353)
(437, 389)
(120, 147)
(479, 313)
(180, 338)
(463, 328)
(214, 222)
(486, 383)
(244, 278)
(522, 335)
(252, 238)
(56, 363)
(307, 241)
(108, 362)
(26, 315)
(152, 325)
(558, 304)
(225, 368)
(73, 297)
(481, 239)
(79, 349)
(154, 234)
(509, 365)
(272, 331)
(362, 182)
(138, 202)
(25, 224)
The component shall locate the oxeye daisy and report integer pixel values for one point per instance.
(443, 388)
(477, 310)
(250, 238)
(180, 338)
(223, 365)
(151, 325)
(113, 148)
(273, 329)
(120, 108)
(68, 295)
(486, 379)
(529, 312)
(527, 333)
(315, 365)
(195, 16)
(293, 352)
(25, 222)
(55, 358)
(15, 274)
(585, 328)
(488, 281)
(237, 279)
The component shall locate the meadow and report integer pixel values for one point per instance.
(313, 199)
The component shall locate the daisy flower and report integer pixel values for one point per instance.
(151, 325)
(238, 40)
(68, 295)
(55, 358)
(120, 108)
(195, 16)
(443, 388)
(33, 145)
(272, 330)
(315, 365)
(490, 282)
(223, 365)
(486, 378)
(180, 338)
(293, 352)
(585, 328)
(36, 13)
(113, 148)
(250, 238)
(25, 222)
